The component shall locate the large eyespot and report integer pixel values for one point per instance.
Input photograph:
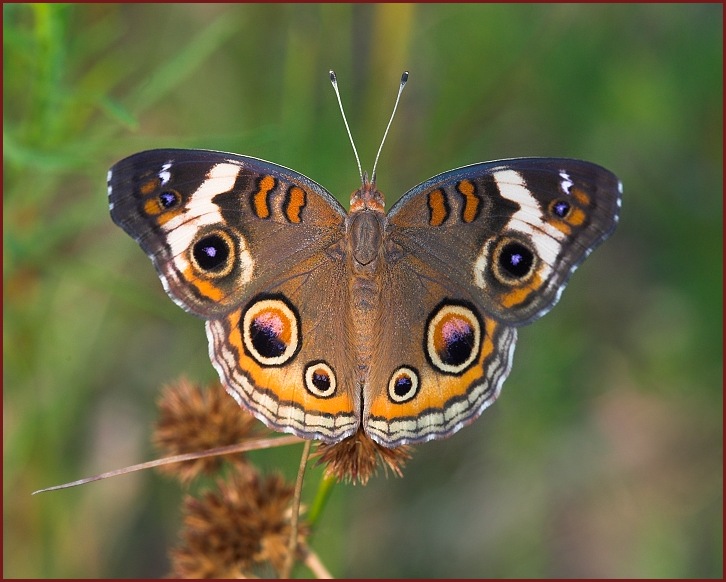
(320, 379)
(512, 261)
(271, 330)
(213, 253)
(403, 385)
(453, 336)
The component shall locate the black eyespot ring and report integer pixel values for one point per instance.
(513, 261)
(271, 331)
(214, 253)
(560, 208)
(453, 337)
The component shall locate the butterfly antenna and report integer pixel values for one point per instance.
(404, 79)
(334, 81)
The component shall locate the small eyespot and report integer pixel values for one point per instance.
(403, 385)
(271, 331)
(560, 208)
(169, 199)
(320, 379)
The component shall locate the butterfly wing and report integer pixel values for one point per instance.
(512, 231)
(250, 246)
(286, 354)
(439, 359)
(218, 226)
(470, 254)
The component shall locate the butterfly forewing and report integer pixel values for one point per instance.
(218, 227)
(512, 231)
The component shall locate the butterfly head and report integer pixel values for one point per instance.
(367, 197)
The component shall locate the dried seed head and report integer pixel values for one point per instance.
(193, 419)
(357, 458)
(240, 530)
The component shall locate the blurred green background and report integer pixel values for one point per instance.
(602, 458)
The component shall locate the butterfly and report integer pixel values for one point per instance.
(323, 322)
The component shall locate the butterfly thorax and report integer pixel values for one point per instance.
(365, 227)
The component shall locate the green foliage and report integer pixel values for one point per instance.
(603, 457)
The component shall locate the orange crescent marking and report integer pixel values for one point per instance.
(576, 218)
(519, 295)
(333, 405)
(437, 207)
(561, 226)
(149, 186)
(471, 200)
(152, 207)
(294, 204)
(259, 198)
(581, 196)
(165, 217)
(205, 288)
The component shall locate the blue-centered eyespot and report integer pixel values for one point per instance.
(403, 385)
(560, 208)
(213, 253)
(320, 379)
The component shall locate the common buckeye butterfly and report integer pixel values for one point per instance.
(323, 322)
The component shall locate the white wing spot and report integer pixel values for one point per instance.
(566, 183)
(164, 173)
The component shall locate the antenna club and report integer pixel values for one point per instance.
(404, 77)
(333, 78)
